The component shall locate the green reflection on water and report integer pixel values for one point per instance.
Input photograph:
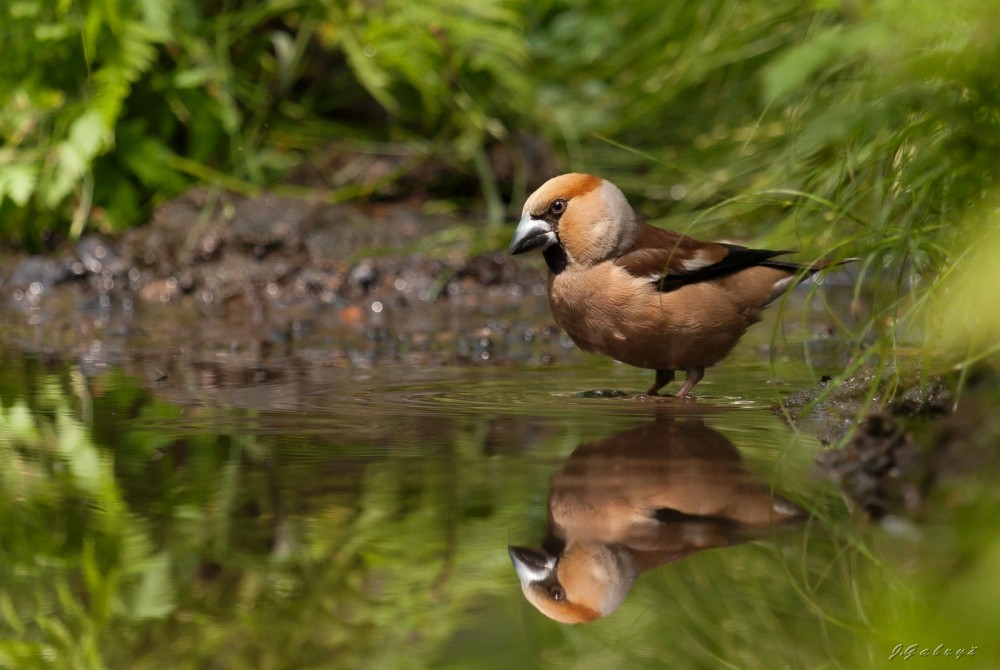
(156, 525)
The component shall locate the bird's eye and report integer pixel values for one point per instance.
(557, 207)
(557, 594)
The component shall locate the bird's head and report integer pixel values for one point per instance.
(588, 217)
(587, 581)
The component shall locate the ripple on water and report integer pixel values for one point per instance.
(371, 401)
(460, 391)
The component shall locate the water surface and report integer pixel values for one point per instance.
(304, 514)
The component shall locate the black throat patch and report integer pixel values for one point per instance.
(555, 258)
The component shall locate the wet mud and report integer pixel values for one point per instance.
(247, 279)
(916, 446)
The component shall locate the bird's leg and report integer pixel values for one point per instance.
(694, 376)
(663, 377)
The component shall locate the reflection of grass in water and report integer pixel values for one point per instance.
(76, 562)
(259, 548)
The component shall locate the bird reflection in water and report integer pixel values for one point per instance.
(637, 500)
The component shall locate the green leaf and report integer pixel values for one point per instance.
(87, 136)
(194, 77)
(156, 15)
(52, 32)
(154, 597)
(18, 182)
(151, 161)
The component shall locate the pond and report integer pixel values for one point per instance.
(311, 512)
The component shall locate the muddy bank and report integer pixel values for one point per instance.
(892, 467)
(829, 410)
(910, 446)
(222, 276)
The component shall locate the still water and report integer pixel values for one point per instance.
(354, 516)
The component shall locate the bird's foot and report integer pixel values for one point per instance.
(694, 376)
(663, 377)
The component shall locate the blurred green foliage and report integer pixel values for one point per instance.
(957, 325)
(109, 107)
(880, 114)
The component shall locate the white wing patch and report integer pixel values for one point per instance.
(698, 262)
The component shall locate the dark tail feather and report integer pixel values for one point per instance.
(798, 273)
(810, 269)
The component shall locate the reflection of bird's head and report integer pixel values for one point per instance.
(587, 581)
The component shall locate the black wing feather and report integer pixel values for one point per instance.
(738, 258)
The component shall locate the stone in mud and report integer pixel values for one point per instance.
(39, 271)
(269, 223)
(99, 255)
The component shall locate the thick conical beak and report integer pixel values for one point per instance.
(531, 234)
(532, 565)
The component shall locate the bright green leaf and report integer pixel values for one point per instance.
(18, 182)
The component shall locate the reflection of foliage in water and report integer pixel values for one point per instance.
(77, 562)
(137, 533)
(243, 555)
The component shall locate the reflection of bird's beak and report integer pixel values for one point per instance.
(531, 234)
(531, 565)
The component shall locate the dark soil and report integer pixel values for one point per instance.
(911, 448)
(258, 277)
(828, 411)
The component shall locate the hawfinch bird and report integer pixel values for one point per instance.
(643, 295)
(637, 500)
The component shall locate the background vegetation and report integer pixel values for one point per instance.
(843, 128)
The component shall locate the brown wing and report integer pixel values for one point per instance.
(672, 260)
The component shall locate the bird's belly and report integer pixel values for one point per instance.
(653, 331)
